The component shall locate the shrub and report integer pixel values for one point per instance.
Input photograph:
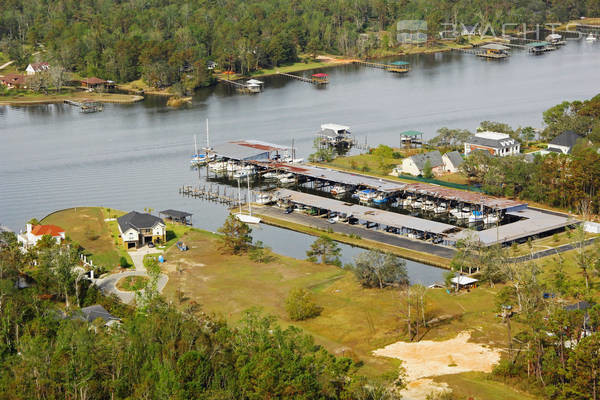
(300, 305)
(123, 262)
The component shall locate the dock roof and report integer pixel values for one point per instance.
(495, 46)
(538, 44)
(400, 63)
(364, 213)
(175, 213)
(411, 133)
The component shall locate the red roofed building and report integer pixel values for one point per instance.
(14, 81)
(35, 68)
(36, 232)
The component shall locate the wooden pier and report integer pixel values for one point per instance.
(399, 67)
(320, 80)
(241, 87)
(86, 106)
(212, 193)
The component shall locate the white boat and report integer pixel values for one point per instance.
(233, 167)
(246, 218)
(244, 172)
(460, 214)
(286, 178)
(475, 216)
(264, 198)
(338, 190)
(428, 206)
(407, 202)
(441, 208)
(218, 166)
(417, 204)
(490, 219)
(270, 175)
(591, 38)
(197, 157)
(365, 196)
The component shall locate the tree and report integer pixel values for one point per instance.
(427, 170)
(325, 251)
(450, 137)
(584, 370)
(300, 305)
(383, 153)
(377, 269)
(235, 237)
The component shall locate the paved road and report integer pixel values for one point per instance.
(552, 252)
(108, 284)
(361, 231)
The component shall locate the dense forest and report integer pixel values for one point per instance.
(164, 40)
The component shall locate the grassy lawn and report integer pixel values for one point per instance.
(295, 67)
(355, 321)
(132, 283)
(86, 226)
(476, 385)
(76, 95)
(454, 178)
(546, 243)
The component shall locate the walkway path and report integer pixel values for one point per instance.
(6, 64)
(108, 284)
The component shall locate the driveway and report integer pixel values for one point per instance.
(108, 284)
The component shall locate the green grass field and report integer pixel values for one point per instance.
(477, 385)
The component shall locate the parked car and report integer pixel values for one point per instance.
(289, 210)
(151, 245)
(332, 220)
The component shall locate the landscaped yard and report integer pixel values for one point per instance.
(132, 283)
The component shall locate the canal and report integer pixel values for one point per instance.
(136, 156)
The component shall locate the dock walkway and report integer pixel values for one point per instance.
(304, 79)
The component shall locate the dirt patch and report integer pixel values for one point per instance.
(421, 388)
(429, 358)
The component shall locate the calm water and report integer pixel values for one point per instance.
(137, 156)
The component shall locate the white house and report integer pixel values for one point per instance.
(138, 229)
(415, 165)
(34, 233)
(497, 144)
(35, 68)
(564, 142)
(452, 161)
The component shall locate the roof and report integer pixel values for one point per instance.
(581, 305)
(364, 213)
(13, 79)
(39, 66)
(491, 139)
(554, 36)
(138, 221)
(538, 44)
(52, 230)
(93, 81)
(320, 75)
(411, 133)
(400, 63)
(175, 214)
(566, 139)
(434, 158)
(254, 82)
(260, 145)
(335, 127)
(455, 158)
(91, 313)
(495, 46)
(463, 280)
(240, 151)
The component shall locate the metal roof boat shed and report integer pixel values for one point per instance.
(177, 216)
(373, 215)
(247, 150)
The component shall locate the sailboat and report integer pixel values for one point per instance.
(198, 158)
(247, 218)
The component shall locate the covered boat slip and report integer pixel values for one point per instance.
(532, 222)
(383, 219)
(248, 150)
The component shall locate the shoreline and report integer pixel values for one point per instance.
(116, 98)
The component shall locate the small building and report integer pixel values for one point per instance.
(497, 144)
(34, 233)
(540, 47)
(452, 161)
(320, 79)
(16, 81)
(336, 135)
(464, 282)
(92, 313)
(36, 68)
(94, 83)
(411, 138)
(415, 165)
(398, 67)
(494, 50)
(181, 217)
(564, 142)
(138, 229)
(211, 65)
(469, 30)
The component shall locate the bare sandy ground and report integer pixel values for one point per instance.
(429, 358)
(420, 388)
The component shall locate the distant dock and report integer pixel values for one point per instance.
(86, 106)
(315, 79)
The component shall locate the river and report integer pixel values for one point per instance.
(136, 156)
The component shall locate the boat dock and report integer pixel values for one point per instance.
(86, 106)
(397, 66)
(215, 194)
(249, 87)
(315, 79)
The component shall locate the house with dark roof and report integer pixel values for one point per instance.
(138, 229)
(452, 161)
(415, 165)
(34, 233)
(497, 144)
(92, 313)
(564, 142)
(36, 68)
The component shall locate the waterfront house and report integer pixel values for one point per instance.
(94, 83)
(415, 165)
(34, 233)
(497, 144)
(138, 229)
(452, 161)
(36, 68)
(14, 81)
(564, 142)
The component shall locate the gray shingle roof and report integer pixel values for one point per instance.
(434, 157)
(91, 313)
(566, 139)
(493, 143)
(455, 158)
(137, 221)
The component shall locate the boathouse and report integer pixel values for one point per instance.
(411, 138)
(494, 50)
(180, 217)
(249, 150)
(398, 67)
(320, 79)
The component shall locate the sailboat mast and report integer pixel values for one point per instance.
(195, 146)
(207, 137)
(240, 196)
(249, 197)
